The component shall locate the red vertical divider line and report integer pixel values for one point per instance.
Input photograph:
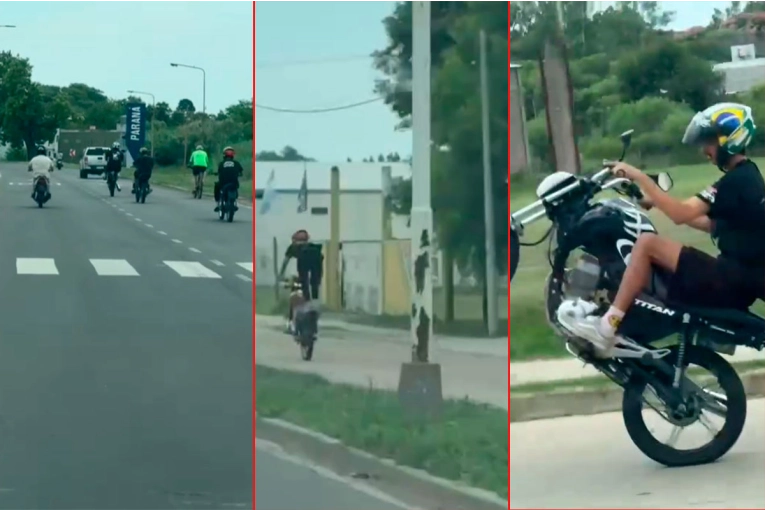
(509, 146)
(254, 271)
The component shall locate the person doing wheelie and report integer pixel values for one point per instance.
(199, 163)
(143, 168)
(732, 210)
(229, 172)
(114, 161)
(310, 266)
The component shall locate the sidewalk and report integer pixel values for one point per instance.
(376, 362)
(487, 356)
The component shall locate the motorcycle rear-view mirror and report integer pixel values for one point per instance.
(626, 138)
(663, 180)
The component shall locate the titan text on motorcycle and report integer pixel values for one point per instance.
(597, 237)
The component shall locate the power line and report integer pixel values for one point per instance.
(319, 110)
(328, 60)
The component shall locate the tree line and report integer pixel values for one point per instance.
(31, 112)
(630, 72)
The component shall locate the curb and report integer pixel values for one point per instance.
(542, 406)
(411, 485)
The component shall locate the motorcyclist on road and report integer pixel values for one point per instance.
(310, 266)
(143, 167)
(114, 162)
(41, 166)
(732, 210)
(229, 172)
(199, 162)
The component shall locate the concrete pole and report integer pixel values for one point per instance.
(488, 197)
(419, 386)
(333, 248)
(422, 215)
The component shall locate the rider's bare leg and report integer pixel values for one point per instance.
(649, 250)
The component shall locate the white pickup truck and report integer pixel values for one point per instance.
(93, 161)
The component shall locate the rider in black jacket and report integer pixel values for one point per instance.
(143, 167)
(114, 161)
(229, 172)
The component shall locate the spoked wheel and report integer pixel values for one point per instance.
(715, 415)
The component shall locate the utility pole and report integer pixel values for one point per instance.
(419, 389)
(488, 197)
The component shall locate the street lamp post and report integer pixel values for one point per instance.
(153, 109)
(204, 83)
(419, 389)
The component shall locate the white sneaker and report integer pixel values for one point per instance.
(588, 328)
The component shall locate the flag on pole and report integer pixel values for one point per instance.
(303, 193)
(268, 194)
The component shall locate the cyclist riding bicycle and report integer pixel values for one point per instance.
(143, 167)
(114, 161)
(229, 172)
(199, 162)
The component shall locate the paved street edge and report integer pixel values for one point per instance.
(547, 405)
(384, 474)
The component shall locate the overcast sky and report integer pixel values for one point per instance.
(116, 46)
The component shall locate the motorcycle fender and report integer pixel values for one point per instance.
(722, 348)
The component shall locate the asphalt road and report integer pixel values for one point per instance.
(590, 462)
(125, 349)
(287, 483)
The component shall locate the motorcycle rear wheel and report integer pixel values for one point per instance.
(632, 413)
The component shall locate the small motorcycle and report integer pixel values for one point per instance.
(111, 181)
(227, 205)
(59, 164)
(41, 192)
(590, 245)
(141, 191)
(305, 315)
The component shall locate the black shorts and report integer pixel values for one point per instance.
(198, 170)
(704, 281)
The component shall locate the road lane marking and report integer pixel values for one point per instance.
(129, 214)
(194, 250)
(138, 219)
(150, 226)
(177, 241)
(244, 278)
(161, 233)
(218, 263)
(113, 267)
(190, 269)
(245, 265)
(35, 266)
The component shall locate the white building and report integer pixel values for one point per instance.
(363, 187)
(742, 75)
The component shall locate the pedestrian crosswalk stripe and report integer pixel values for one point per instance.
(113, 267)
(190, 269)
(36, 266)
(245, 265)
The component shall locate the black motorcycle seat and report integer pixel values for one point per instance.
(743, 318)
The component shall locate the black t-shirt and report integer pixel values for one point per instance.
(114, 160)
(144, 165)
(737, 209)
(229, 170)
(308, 255)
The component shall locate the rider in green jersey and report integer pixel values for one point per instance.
(199, 162)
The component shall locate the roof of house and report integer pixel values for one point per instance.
(741, 64)
(288, 175)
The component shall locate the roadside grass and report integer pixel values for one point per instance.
(468, 443)
(601, 381)
(531, 338)
(180, 177)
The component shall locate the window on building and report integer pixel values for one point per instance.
(320, 211)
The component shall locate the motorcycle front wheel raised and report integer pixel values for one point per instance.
(721, 443)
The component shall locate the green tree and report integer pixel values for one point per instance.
(27, 116)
